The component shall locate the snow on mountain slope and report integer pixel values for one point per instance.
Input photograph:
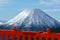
(20, 17)
(1, 23)
(33, 18)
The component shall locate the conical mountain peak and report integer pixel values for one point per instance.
(33, 19)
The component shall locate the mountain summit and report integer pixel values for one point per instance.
(33, 19)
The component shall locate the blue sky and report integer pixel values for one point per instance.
(11, 8)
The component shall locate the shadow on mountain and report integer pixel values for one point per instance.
(55, 30)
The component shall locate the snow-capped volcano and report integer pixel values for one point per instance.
(33, 19)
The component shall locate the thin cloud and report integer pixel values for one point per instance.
(49, 3)
(3, 2)
(52, 10)
(6, 2)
